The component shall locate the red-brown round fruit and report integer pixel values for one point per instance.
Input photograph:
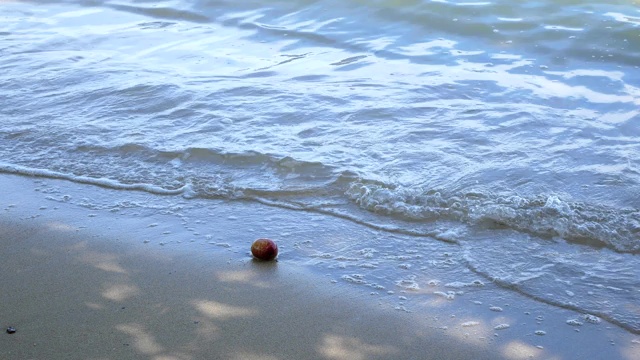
(264, 249)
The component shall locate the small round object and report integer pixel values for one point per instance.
(11, 330)
(264, 249)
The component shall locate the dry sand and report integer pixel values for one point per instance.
(88, 287)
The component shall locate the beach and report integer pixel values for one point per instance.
(74, 293)
(100, 285)
(444, 179)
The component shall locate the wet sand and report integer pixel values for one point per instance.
(93, 286)
(75, 295)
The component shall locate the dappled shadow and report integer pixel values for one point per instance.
(219, 311)
(517, 350)
(352, 348)
(74, 294)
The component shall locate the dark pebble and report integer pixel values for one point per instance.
(11, 330)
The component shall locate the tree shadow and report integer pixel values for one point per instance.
(73, 294)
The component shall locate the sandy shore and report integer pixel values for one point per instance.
(93, 286)
(74, 295)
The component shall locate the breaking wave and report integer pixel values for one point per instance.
(299, 185)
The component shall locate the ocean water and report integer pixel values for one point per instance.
(508, 132)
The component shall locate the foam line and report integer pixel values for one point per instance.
(108, 183)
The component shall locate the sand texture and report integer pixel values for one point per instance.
(82, 282)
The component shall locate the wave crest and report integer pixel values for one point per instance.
(544, 216)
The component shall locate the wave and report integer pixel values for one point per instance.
(629, 323)
(544, 215)
(104, 182)
(313, 186)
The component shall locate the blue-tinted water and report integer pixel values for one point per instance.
(510, 130)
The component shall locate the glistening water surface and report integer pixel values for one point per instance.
(510, 130)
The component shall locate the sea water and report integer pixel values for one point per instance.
(504, 133)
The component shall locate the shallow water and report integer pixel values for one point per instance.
(510, 131)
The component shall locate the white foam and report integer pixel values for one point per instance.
(459, 284)
(409, 284)
(354, 278)
(470, 324)
(574, 322)
(367, 253)
(104, 182)
(591, 319)
(449, 295)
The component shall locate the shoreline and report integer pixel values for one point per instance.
(76, 294)
(101, 284)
